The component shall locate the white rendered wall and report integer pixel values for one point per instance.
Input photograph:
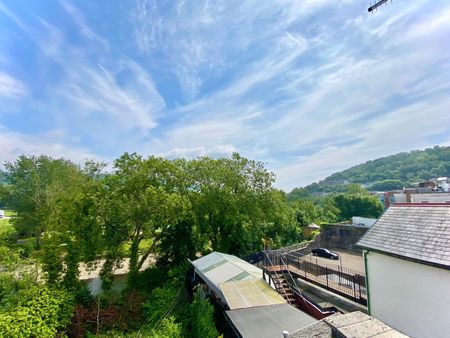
(410, 297)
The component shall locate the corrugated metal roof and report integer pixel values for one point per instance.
(417, 232)
(218, 268)
(249, 293)
(268, 321)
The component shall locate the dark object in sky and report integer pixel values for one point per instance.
(377, 4)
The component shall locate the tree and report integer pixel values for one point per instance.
(357, 205)
(386, 185)
(202, 318)
(229, 197)
(299, 193)
(407, 168)
(139, 201)
(33, 186)
(306, 212)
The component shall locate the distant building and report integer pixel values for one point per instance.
(407, 263)
(308, 230)
(413, 195)
(442, 184)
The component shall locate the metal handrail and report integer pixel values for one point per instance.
(297, 289)
(278, 278)
(287, 269)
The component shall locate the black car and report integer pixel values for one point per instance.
(322, 252)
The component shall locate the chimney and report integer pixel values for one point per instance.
(387, 199)
(408, 196)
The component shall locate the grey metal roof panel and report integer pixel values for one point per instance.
(417, 232)
(268, 321)
(216, 268)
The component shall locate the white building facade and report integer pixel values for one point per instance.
(407, 263)
(411, 297)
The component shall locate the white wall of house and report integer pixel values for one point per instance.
(411, 297)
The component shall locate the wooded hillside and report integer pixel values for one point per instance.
(391, 172)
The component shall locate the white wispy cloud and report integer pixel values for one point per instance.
(202, 40)
(335, 107)
(388, 134)
(13, 144)
(79, 19)
(95, 90)
(109, 100)
(309, 86)
(10, 87)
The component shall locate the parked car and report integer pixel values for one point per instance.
(322, 252)
(2, 213)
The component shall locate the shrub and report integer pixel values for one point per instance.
(36, 311)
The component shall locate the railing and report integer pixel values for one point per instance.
(346, 281)
(301, 301)
(339, 279)
(295, 247)
(277, 283)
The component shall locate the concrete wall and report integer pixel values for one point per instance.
(412, 298)
(341, 236)
(400, 198)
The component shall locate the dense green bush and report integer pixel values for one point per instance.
(202, 320)
(35, 311)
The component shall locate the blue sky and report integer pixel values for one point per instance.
(310, 87)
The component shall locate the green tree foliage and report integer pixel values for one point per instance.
(306, 212)
(405, 169)
(231, 197)
(386, 185)
(362, 205)
(35, 311)
(168, 329)
(138, 202)
(202, 320)
(299, 193)
(34, 187)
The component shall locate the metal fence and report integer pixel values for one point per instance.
(337, 278)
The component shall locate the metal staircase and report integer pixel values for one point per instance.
(283, 281)
(283, 288)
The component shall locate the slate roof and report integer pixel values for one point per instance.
(268, 321)
(349, 325)
(415, 231)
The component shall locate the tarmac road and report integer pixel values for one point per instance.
(349, 259)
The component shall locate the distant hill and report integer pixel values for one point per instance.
(391, 172)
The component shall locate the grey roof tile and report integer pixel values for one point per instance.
(413, 231)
